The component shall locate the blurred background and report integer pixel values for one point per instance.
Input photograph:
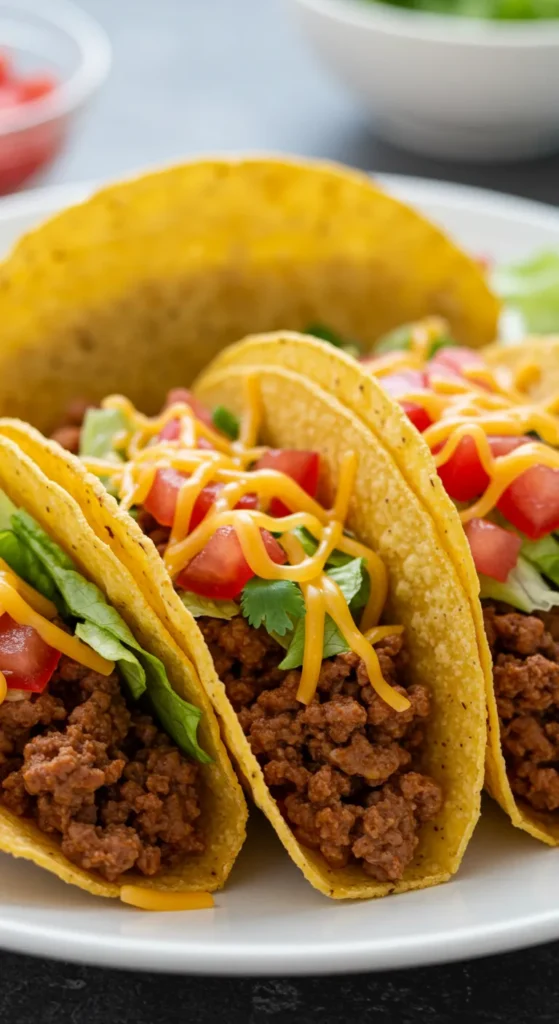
(191, 76)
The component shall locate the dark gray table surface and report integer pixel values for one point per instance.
(198, 76)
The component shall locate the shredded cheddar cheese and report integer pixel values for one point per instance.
(228, 463)
(151, 899)
(22, 612)
(480, 404)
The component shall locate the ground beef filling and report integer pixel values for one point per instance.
(343, 768)
(526, 677)
(98, 775)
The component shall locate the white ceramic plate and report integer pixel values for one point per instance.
(269, 921)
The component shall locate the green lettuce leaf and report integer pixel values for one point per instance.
(276, 604)
(107, 628)
(400, 339)
(27, 566)
(544, 555)
(7, 509)
(334, 644)
(532, 288)
(113, 650)
(199, 606)
(100, 427)
(524, 589)
(353, 581)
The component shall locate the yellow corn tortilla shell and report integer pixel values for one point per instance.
(223, 806)
(426, 595)
(539, 353)
(137, 289)
(346, 379)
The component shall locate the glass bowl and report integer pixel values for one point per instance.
(55, 38)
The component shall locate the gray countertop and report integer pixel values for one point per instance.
(195, 76)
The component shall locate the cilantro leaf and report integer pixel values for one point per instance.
(226, 421)
(276, 604)
(325, 333)
(334, 644)
(198, 606)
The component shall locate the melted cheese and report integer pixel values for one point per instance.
(227, 465)
(483, 404)
(151, 899)
(15, 605)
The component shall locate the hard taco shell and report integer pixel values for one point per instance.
(224, 810)
(427, 594)
(141, 286)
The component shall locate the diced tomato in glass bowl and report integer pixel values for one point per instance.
(60, 59)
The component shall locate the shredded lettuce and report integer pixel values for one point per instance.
(532, 287)
(31, 553)
(100, 427)
(544, 555)
(524, 589)
(199, 606)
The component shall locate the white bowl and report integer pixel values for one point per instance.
(440, 84)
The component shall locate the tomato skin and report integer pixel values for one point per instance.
(494, 550)
(206, 499)
(26, 660)
(531, 503)
(418, 415)
(220, 569)
(463, 476)
(301, 466)
(161, 501)
(35, 87)
(198, 408)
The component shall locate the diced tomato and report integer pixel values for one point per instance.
(220, 569)
(34, 87)
(25, 659)
(531, 503)
(418, 415)
(206, 499)
(301, 466)
(161, 501)
(171, 432)
(9, 96)
(5, 68)
(198, 407)
(463, 476)
(401, 383)
(494, 550)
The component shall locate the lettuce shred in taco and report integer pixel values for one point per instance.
(109, 776)
(273, 534)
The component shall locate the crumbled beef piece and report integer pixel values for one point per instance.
(344, 759)
(526, 678)
(99, 775)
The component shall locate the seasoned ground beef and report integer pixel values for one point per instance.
(343, 768)
(100, 776)
(526, 677)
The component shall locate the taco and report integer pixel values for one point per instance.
(142, 285)
(530, 368)
(281, 546)
(495, 506)
(113, 775)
